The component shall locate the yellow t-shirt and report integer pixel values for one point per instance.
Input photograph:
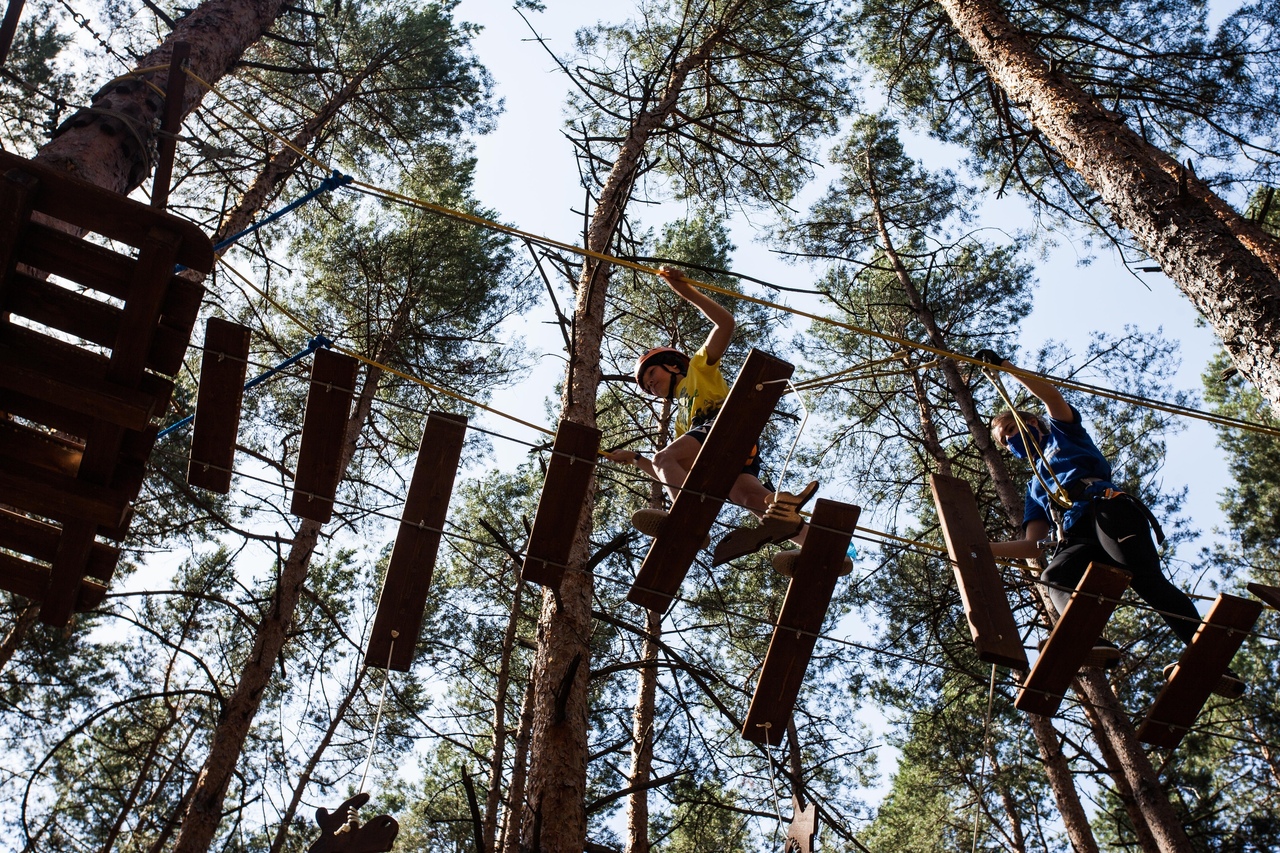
(702, 392)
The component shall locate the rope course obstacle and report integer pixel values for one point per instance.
(78, 424)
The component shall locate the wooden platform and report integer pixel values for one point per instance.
(413, 559)
(803, 609)
(560, 506)
(1203, 662)
(986, 604)
(1269, 594)
(83, 376)
(755, 393)
(1079, 626)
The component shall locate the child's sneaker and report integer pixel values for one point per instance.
(784, 507)
(1104, 654)
(649, 522)
(1229, 684)
(784, 563)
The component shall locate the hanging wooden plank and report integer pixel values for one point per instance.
(1079, 625)
(218, 403)
(1269, 594)
(413, 558)
(986, 604)
(755, 393)
(324, 426)
(805, 606)
(1203, 662)
(563, 499)
(100, 210)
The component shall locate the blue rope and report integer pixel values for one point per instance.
(337, 179)
(314, 344)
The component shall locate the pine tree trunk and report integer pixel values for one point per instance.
(493, 798)
(113, 149)
(555, 819)
(642, 739)
(1225, 265)
(209, 790)
(510, 842)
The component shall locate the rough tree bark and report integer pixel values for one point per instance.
(110, 142)
(555, 819)
(1227, 267)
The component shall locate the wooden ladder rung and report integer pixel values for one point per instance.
(561, 504)
(986, 604)
(1202, 663)
(805, 606)
(755, 393)
(219, 398)
(1071, 640)
(413, 558)
(324, 427)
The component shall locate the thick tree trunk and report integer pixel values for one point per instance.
(205, 811)
(510, 841)
(494, 796)
(555, 819)
(642, 739)
(110, 144)
(1056, 768)
(1226, 266)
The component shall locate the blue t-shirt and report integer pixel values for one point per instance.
(1073, 457)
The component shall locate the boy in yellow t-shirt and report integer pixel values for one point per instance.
(698, 390)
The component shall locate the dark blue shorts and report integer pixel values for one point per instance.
(752, 465)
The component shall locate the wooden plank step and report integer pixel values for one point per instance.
(1269, 594)
(30, 581)
(413, 559)
(1069, 644)
(805, 606)
(90, 319)
(39, 540)
(324, 426)
(30, 488)
(218, 403)
(1203, 662)
(563, 499)
(97, 209)
(755, 393)
(986, 604)
(97, 267)
(42, 449)
(39, 366)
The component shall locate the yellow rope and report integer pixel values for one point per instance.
(1156, 405)
(431, 386)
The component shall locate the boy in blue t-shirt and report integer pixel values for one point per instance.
(698, 390)
(1102, 524)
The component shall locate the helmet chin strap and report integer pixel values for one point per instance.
(671, 386)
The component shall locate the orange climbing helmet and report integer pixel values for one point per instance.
(660, 355)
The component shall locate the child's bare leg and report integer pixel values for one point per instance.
(672, 463)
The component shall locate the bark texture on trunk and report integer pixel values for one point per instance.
(1227, 267)
(555, 819)
(112, 142)
(642, 739)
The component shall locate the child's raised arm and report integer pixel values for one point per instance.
(721, 319)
